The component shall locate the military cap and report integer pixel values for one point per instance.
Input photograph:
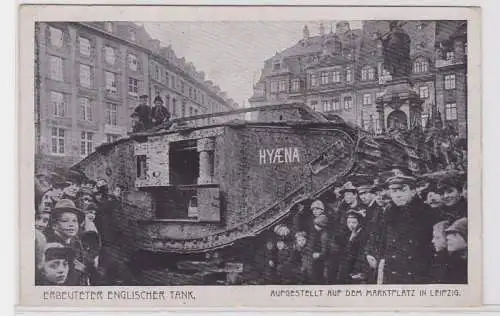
(144, 96)
(359, 214)
(348, 187)
(318, 204)
(400, 175)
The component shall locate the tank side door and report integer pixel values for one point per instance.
(209, 206)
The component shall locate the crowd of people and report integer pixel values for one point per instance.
(70, 220)
(395, 228)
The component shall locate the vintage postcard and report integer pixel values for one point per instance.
(251, 157)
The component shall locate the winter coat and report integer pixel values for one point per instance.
(439, 267)
(405, 243)
(144, 113)
(75, 277)
(456, 272)
(284, 265)
(159, 114)
(352, 255)
(318, 242)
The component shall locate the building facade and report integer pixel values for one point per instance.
(342, 73)
(88, 80)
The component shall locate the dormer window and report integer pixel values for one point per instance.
(277, 65)
(420, 65)
(450, 56)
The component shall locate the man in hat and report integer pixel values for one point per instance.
(159, 113)
(64, 228)
(319, 249)
(456, 241)
(405, 245)
(454, 204)
(366, 193)
(143, 111)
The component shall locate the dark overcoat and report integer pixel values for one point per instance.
(405, 243)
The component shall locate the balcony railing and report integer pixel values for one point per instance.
(448, 62)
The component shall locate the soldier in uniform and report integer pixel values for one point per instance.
(405, 248)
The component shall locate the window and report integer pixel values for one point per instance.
(190, 111)
(449, 82)
(203, 99)
(195, 111)
(348, 103)
(109, 55)
(282, 85)
(157, 90)
(85, 109)
(174, 107)
(336, 105)
(314, 80)
(132, 62)
(84, 46)
(108, 26)
(276, 65)
(111, 138)
(450, 56)
(367, 73)
(451, 111)
(182, 87)
(58, 104)
(423, 92)
(367, 99)
(133, 86)
(56, 68)
(348, 75)
(195, 94)
(56, 37)
(326, 105)
(190, 92)
(87, 144)
(157, 73)
(110, 82)
(421, 65)
(85, 77)
(274, 86)
(111, 114)
(314, 105)
(336, 76)
(424, 117)
(132, 35)
(295, 85)
(324, 78)
(379, 94)
(57, 140)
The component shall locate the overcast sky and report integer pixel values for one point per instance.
(232, 53)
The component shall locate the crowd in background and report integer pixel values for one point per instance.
(392, 228)
(72, 213)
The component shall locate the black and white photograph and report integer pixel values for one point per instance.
(322, 152)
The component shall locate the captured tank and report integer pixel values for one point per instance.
(199, 193)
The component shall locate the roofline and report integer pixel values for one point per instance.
(148, 51)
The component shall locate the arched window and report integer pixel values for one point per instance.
(420, 65)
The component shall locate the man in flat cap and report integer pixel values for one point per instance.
(405, 249)
(143, 112)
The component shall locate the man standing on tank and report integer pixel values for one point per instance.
(143, 112)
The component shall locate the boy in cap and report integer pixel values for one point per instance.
(407, 232)
(456, 242)
(352, 245)
(143, 111)
(159, 113)
(440, 260)
(455, 206)
(55, 265)
(64, 228)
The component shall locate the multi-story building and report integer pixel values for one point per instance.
(88, 80)
(342, 72)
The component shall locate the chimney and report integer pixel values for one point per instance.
(305, 32)
(321, 29)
